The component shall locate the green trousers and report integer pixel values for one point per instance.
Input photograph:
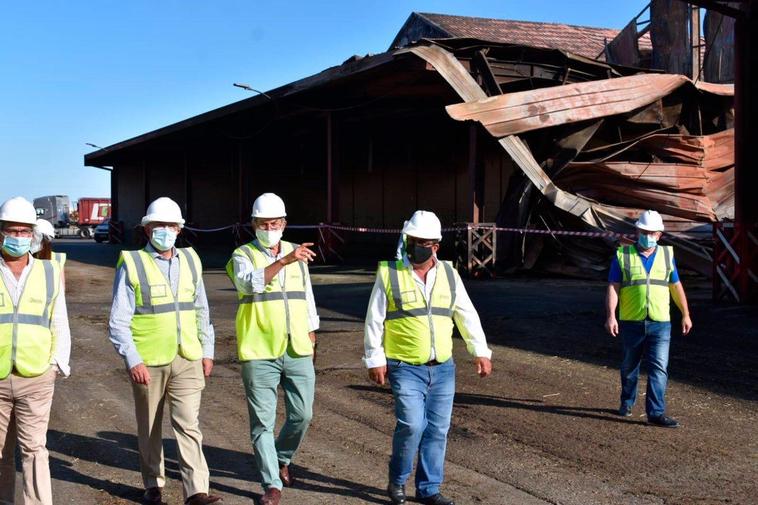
(261, 378)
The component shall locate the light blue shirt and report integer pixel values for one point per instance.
(124, 302)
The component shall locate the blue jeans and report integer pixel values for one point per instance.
(423, 406)
(652, 339)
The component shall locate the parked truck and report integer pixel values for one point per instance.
(89, 213)
(54, 208)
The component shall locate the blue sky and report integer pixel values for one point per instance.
(103, 71)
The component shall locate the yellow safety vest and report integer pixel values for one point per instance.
(163, 324)
(645, 295)
(268, 321)
(413, 327)
(26, 340)
(60, 258)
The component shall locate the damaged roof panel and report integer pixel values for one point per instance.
(525, 111)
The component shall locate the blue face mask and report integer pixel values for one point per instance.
(163, 239)
(16, 246)
(647, 241)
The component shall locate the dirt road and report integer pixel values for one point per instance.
(540, 430)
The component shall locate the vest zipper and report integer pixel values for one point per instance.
(286, 304)
(429, 314)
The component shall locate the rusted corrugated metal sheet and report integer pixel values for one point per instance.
(648, 165)
(516, 113)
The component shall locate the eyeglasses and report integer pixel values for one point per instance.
(18, 232)
(269, 224)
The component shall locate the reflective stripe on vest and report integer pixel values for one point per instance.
(31, 319)
(268, 322)
(414, 326)
(60, 258)
(164, 323)
(644, 295)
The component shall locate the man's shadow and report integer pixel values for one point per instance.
(609, 415)
(119, 450)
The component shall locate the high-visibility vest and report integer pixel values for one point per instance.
(27, 343)
(163, 324)
(267, 322)
(412, 326)
(60, 258)
(645, 295)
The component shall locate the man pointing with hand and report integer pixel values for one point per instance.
(409, 342)
(276, 340)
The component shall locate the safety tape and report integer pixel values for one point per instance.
(395, 231)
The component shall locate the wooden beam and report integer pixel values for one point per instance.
(475, 176)
(695, 41)
(721, 7)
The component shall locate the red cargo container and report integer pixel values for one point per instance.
(93, 211)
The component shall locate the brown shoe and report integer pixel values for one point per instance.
(202, 499)
(285, 474)
(152, 496)
(271, 497)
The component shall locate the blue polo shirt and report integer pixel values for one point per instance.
(615, 274)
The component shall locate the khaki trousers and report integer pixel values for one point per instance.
(24, 415)
(180, 384)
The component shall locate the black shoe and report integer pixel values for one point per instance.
(435, 499)
(625, 411)
(663, 422)
(396, 493)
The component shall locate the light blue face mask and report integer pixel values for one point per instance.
(647, 241)
(16, 246)
(163, 239)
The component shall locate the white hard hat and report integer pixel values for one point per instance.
(650, 220)
(18, 210)
(163, 210)
(268, 206)
(423, 224)
(45, 228)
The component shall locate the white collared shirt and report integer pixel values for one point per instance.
(464, 314)
(59, 325)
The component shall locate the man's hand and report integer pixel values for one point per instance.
(140, 374)
(301, 253)
(686, 325)
(378, 374)
(207, 366)
(612, 326)
(312, 336)
(483, 366)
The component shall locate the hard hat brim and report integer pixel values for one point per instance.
(156, 219)
(258, 216)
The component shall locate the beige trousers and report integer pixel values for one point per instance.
(180, 384)
(24, 415)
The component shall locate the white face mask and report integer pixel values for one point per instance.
(269, 238)
(163, 239)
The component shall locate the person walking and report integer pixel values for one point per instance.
(408, 340)
(160, 326)
(641, 283)
(276, 340)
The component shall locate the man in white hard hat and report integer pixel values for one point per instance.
(35, 344)
(409, 341)
(642, 280)
(160, 326)
(276, 340)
